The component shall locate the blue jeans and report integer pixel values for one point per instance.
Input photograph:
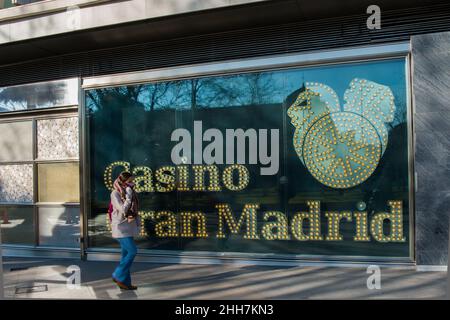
(129, 250)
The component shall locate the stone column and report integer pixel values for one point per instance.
(431, 94)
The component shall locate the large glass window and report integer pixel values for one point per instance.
(304, 161)
(17, 225)
(41, 95)
(59, 226)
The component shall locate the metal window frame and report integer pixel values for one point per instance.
(275, 62)
(34, 116)
(278, 62)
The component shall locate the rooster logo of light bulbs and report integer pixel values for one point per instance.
(342, 148)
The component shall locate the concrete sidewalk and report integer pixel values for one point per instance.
(228, 281)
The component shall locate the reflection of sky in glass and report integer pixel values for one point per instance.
(390, 73)
(256, 88)
(17, 225)
(39, 95)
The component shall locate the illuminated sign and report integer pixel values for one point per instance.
(342, 148)
(302, 161)
(171, 178)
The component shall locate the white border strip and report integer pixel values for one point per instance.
(431, 268)
(42, 7)
(218, 260)
(232, 66)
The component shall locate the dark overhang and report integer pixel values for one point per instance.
(203, 22)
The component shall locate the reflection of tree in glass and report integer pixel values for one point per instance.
(167, 95)
(101, 98)
(400, 112)
(95, 99)
(260, 87)
(157, 91)
(33, 96)
(212, 92)
(237, 90)
(131, 92)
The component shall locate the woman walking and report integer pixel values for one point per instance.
(125, 225)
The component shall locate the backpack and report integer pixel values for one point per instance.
(110, 210)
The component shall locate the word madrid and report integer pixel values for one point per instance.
(272, 225)
(275, 225)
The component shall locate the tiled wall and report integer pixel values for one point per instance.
(16, 183)
(57, 138)
(431, 89)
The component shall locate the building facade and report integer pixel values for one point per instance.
(258, 131)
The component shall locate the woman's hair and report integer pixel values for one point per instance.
(120, 186)
(119, 183)
(124, 176)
